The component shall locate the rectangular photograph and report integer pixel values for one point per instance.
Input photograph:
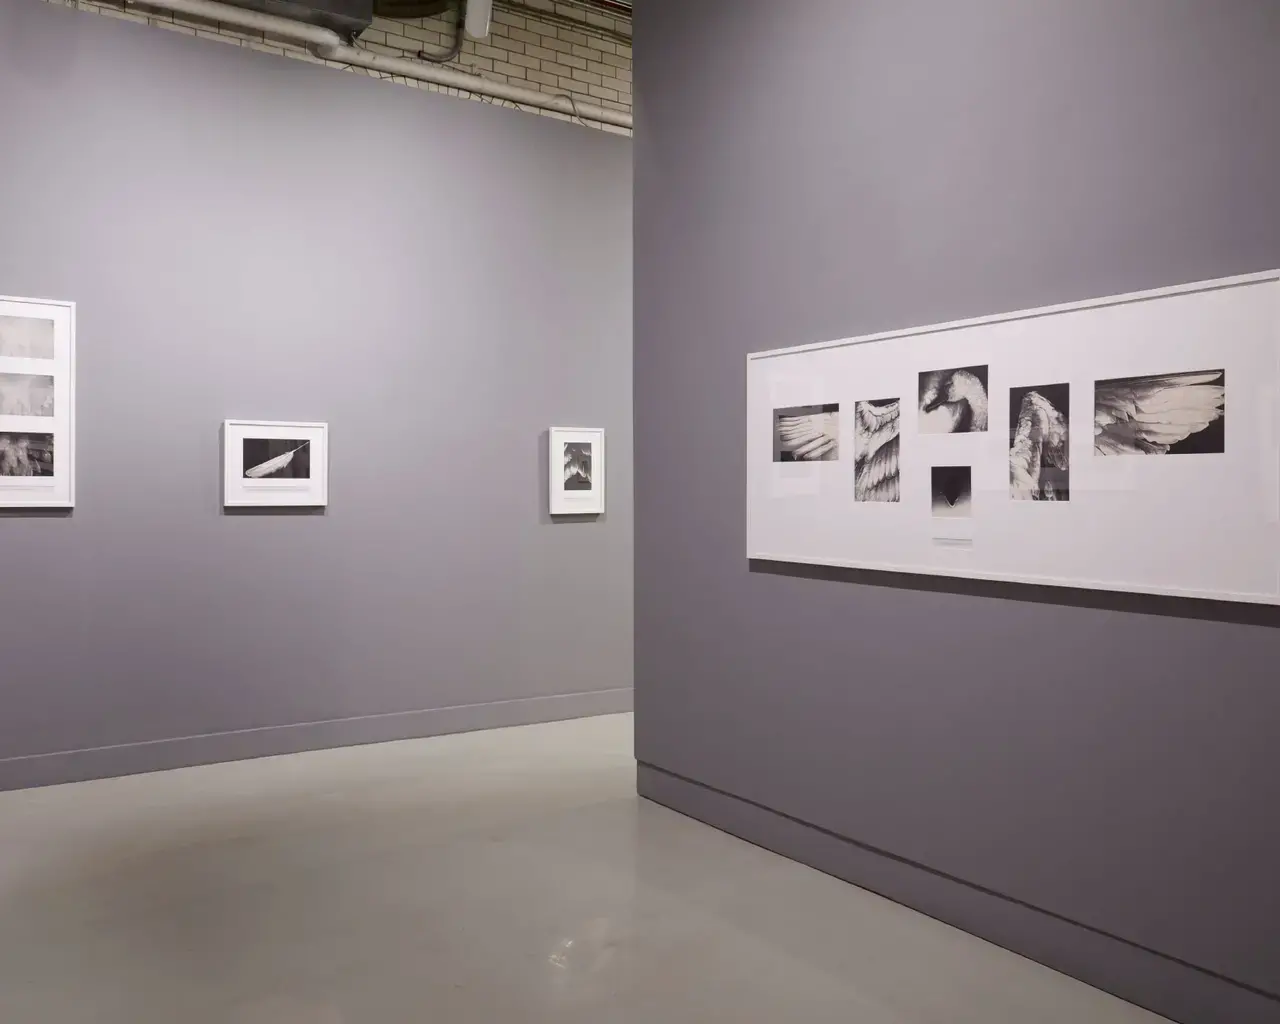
(953, 401)
(1163, 414)
(23, 454)
(806, 433)
(276, 458)
(952, 488)
(26, 337)
(876, 427)
(577, 466)
(1040, 442)
(26, 394)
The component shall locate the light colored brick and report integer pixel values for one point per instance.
(572, 61)
(624, 88)
(541, 5)
(510, 70)
(601, 93)
(618, 62)
(372, 35)
(525, 36)
(587, 52)
(569, 85)
(570, 36)
(543, 77)
(523, 61)
(507, 18)
(539, 53)
(470, 60)
(400, 42)
(603, 70)
(622, 75)
(590, 77)
(624, 51)
(601, 21)
(424, 35)
(557, 44)
(485, 50)
(560, 70)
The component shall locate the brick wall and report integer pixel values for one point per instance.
(553, 46)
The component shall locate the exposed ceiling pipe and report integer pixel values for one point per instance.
(328, 45)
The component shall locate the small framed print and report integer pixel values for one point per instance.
(576, 460)
(37, 403)
(269, 462)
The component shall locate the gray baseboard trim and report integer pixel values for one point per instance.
(183, 751)
(1179, 991)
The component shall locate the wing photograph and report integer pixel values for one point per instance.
(876, 428)
(806, 433)
(1040, 442)
(1163, 414)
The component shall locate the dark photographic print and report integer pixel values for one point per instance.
(276, 458)
(26, 337)
(577, 466)
(26, 394)
(1039, 442)
(875, 449)
(1168, 414)
(953, 401)
(952, 491)
(26, 454)
(806, 433)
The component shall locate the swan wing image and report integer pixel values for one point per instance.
(875, 450)
(1040, 446)
(811, 437)
(1148, 415)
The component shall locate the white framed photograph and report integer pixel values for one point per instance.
(37, 403)
(270, 462)
(576, 460)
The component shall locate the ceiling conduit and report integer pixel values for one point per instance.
(328, 45)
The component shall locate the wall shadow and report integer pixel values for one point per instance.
(1034, 593)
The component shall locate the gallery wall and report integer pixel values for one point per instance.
(248, 236)
(1084, 778)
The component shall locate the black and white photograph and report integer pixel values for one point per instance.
(577, 466)
(26, 337)
(26, 394)
(1040, 442)
(806, 433)
(277, 458)
(876, 428)
(24, 454)
(953, 401)
(1164, 414)
(952, 488)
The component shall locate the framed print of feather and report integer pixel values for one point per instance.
(275, 463)
(575, 458)
(37, 403)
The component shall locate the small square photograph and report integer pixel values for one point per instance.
(23, 454)
(952, 491)
(1040, 442)
(953, 401)
(26, 337)
(26, 394)
(806, 433)
(577, 466)
(276, 458)
(1163, 414)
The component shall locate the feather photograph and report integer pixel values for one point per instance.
(875, 449)
(577, 466)
(806, 433)
(26, 394)
(26, 454)
(952, 488)
(1040, 442)
(1164, 414)
(26, 337)
(276, 458)
(953, 401)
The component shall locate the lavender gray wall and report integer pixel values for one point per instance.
(251, 236)
(1088, 779)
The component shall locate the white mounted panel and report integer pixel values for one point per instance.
(37, 403)
(1188, 375)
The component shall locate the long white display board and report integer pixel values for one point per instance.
(1124, 443)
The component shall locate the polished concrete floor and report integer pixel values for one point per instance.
(510, 876)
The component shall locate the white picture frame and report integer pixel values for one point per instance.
(577, 470)
(37, 403)
(1196, 520)
(275, 463)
